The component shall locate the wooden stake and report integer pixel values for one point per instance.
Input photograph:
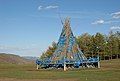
(98, 64)
(37, 66)
(65, 67)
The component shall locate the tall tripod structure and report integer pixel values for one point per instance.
(67, 48)
(67, 53)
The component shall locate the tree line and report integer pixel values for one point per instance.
(106, 46)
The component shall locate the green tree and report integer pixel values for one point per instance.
(49, 51)
(99, 44)
(117, 34)
(84, 42)
(114, 43)
(92, 45)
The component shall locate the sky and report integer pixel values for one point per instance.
(28, 27)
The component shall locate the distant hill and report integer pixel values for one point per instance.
(30, 58)
(14, 59)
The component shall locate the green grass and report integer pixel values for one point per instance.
(109, 71)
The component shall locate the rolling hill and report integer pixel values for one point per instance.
(13, 59)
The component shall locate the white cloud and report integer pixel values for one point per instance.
(115, 28)
(105, 22)
(47, 7)
(116, 15)
(51, 7)
(40, 7)
(100, 21)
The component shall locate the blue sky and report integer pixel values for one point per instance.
(28, 27)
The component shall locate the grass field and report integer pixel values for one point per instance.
(109, 71)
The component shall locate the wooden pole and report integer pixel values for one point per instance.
(98, 64)
(65, 67)
(37, 66)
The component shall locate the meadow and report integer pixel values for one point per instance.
(109, 71)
